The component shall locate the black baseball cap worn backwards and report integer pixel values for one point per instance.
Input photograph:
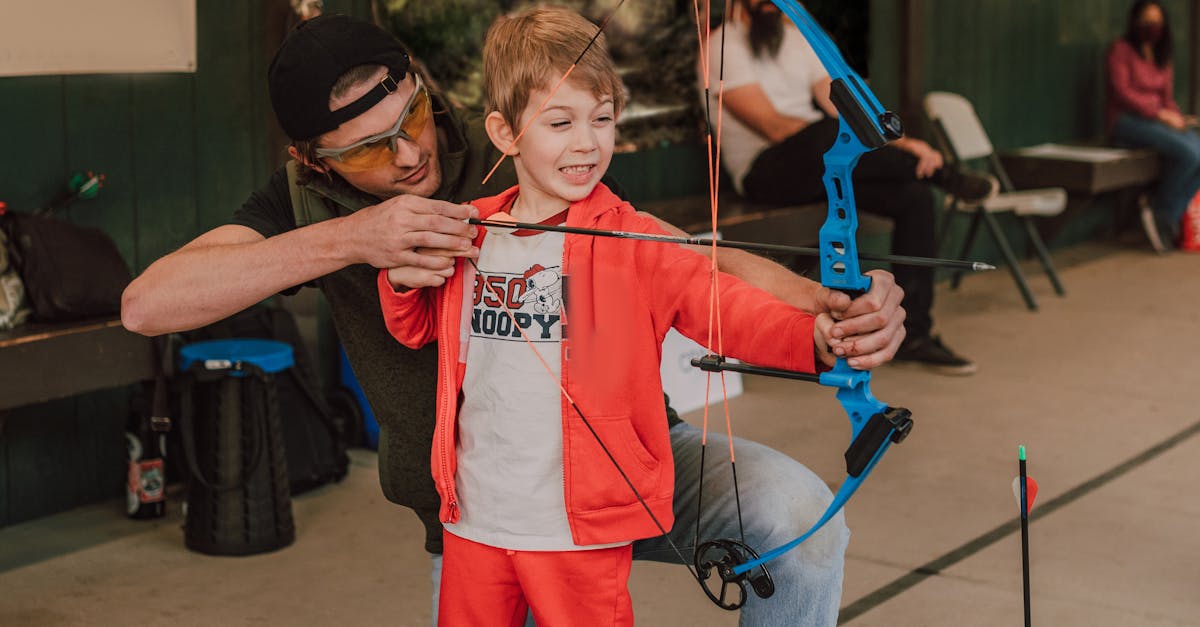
(314, 55)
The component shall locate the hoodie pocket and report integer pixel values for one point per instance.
(593, 481)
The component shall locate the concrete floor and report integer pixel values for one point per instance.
(1096, 385)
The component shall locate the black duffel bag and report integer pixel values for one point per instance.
(70, 272)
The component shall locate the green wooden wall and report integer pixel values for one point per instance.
(181, 152)
(1032, 68)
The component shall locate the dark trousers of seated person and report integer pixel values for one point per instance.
(885, 184)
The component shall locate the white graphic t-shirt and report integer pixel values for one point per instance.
(510, 469)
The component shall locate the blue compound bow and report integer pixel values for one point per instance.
(863, 126)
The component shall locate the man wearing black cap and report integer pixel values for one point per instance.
(378, 163)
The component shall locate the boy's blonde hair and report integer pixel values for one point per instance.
(532, 49)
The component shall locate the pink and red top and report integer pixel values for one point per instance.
(1136, 85)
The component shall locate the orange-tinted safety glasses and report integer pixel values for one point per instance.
(378, 150)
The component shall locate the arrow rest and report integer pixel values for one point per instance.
(723, 556)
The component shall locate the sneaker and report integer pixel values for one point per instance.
(929, 352)
(969, 186)
(1150, 226)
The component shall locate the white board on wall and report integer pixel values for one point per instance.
(90, 37)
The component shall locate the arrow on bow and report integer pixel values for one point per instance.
(904, 260)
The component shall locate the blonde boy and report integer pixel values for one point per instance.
(536, 514)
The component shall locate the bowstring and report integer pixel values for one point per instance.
(715, 327)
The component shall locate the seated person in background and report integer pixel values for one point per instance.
(535, 513)
(1142, 113)
(780, 121)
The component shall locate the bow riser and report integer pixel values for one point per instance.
(863, 126)
(839, 248)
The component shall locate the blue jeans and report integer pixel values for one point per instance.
(780, 500)
(1180, 155)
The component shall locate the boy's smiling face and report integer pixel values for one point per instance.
(567, 148)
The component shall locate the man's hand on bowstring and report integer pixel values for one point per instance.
(867, 330)
(416, 238)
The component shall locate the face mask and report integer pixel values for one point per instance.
(1149, 33)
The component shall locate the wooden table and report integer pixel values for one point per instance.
(1087, 172)
(1081, 170)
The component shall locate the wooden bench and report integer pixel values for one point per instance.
(40, 362)
(1086, 171)
(60, 424)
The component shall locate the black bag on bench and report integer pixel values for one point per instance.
(70, 272)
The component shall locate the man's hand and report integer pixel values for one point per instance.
(869, 329)
(412, 277)
(409, 230)
(416, 238)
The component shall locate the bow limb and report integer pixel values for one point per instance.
(863, 125)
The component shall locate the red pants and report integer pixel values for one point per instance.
(484, 586)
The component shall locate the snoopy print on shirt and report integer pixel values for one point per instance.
(534, 297)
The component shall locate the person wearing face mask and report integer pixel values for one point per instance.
(779, 121)
(1142, 113)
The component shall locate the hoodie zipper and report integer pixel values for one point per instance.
(444, 431)
(565, 408)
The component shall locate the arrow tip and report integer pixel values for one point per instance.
(979, 266)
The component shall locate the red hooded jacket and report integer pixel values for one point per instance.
(623, 296)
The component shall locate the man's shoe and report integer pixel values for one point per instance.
(969, 186)
(1150, 226)
(929, 352)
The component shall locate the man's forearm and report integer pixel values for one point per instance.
(224, 272)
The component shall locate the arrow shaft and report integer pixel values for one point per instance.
(972, 266)
(1025, 538)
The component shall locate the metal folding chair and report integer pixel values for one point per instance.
(962, 136)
